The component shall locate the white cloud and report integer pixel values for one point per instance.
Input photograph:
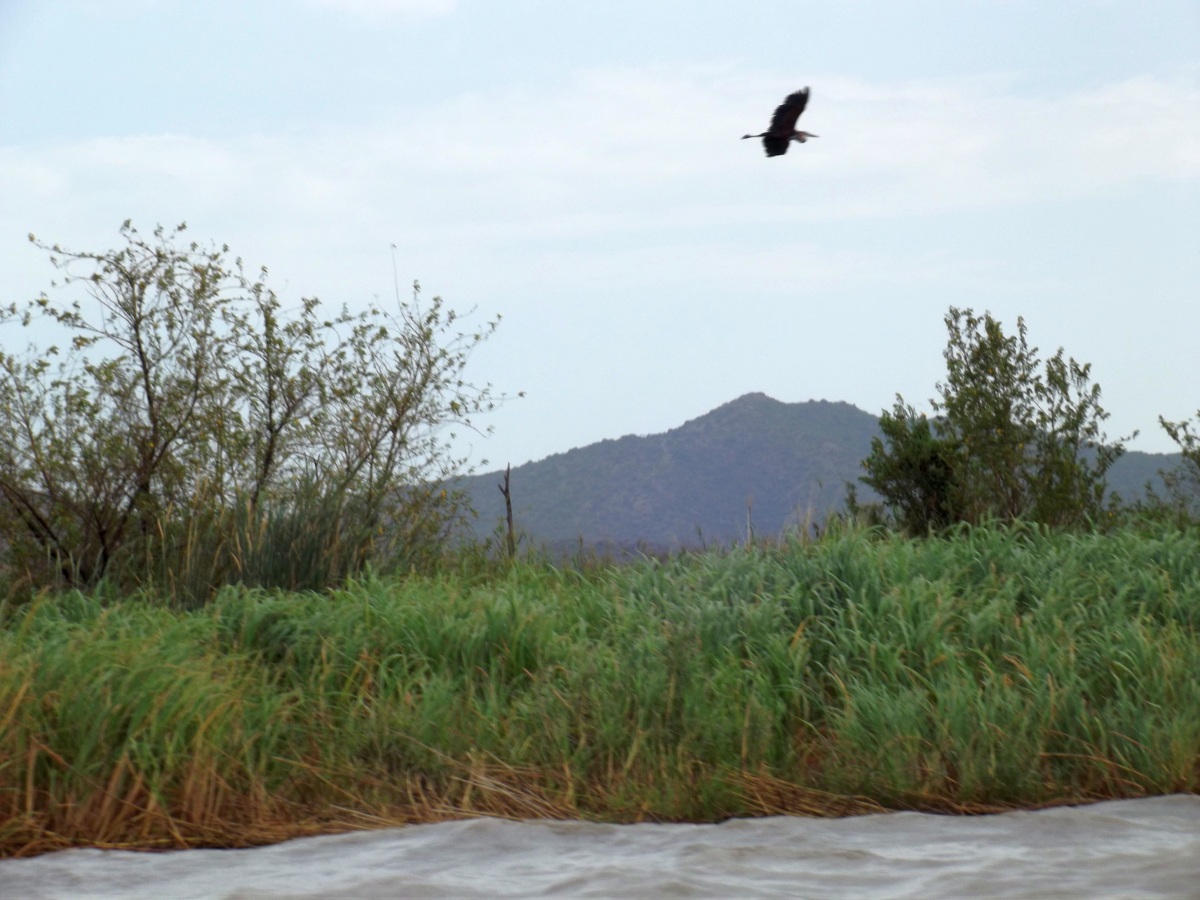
(613, 136)
(624, 161)
(619, 149)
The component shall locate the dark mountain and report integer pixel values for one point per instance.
(754, 459)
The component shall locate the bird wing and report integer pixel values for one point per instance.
(775, 146)
(786, 114)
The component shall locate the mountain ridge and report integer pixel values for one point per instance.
(751, 463)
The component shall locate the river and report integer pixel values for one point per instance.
(1125, 848)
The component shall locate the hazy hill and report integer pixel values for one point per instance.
(754, 456)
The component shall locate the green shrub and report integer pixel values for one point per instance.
(189, 430)
(1010, 439)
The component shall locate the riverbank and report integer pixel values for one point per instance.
(989, 670)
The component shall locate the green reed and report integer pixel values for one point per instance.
(987, 669)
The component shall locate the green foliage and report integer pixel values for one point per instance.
(1182, 484)
(916, 473)
(1010, 438)
(192, 431)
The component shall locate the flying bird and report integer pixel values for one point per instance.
(783, 125)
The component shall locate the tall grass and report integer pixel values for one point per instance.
(987, 669)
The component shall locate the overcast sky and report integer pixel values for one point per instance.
(576, 168)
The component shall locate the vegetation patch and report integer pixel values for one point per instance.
(984, 669)
(197, 646)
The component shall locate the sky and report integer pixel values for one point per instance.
(576, 168)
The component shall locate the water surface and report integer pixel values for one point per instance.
(1126, 848)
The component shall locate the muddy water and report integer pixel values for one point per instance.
(1128, 848)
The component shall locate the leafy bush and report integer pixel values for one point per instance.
(1182, 484)
(191, 431)
(1010, 438)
